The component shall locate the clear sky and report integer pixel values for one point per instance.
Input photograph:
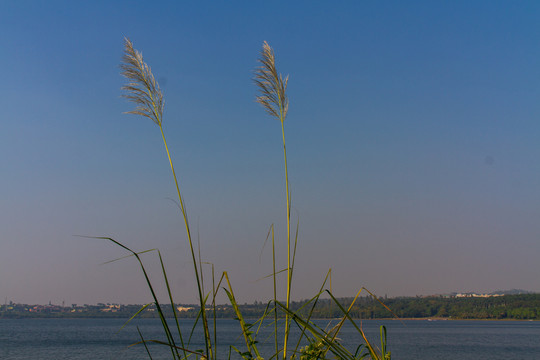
(412, 137)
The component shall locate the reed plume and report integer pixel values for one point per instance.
(271, 85)
(142, 89)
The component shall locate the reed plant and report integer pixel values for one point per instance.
(314, 342)
(273, 98)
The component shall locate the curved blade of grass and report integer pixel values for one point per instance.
(358, 355)
(250, 342)
(144, 343)
(197, 318)
(135, 315)
(275, 294)
(269, 235)
(149, 284)
(260, 321)
(265, 241)
(383, 342)
(319, 334)
(209, 345)
(337, 328)
(214, 294)
(271, 275)
(383, 304)
(370, 348)
(245, 331)
(172, 302)
(194, 327)
(316, 299)
(172, 346)
(245, 355)
(127, 256)
(295, 243)
(269, 310)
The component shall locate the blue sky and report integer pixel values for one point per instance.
(412, 140)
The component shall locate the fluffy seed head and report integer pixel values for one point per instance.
(142, 88)
(271, 85)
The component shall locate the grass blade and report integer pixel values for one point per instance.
(135, 315)
(250, 342)
(150, 287)
(144, 343)
(172, 302)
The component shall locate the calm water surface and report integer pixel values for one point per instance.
(415, 339)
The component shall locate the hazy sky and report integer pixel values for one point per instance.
(413, 142)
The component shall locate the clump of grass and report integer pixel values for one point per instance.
(144, 91)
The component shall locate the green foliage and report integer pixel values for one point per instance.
(517, 307)
(315, 350)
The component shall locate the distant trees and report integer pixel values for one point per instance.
(519, 307)
(497, 307)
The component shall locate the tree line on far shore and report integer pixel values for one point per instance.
(517, 307)
(525, 306)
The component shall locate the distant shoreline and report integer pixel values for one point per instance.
(504, 307)
(250, 318)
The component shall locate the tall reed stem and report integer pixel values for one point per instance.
(274, 100)
(144, 91)
(289, 262)
(186, 222)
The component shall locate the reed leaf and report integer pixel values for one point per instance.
(198, 353)
(250, 342)
(144, 343)
(318, 334)
(168, 333)
(370, 348)
(135, 315)
(128, 256)
(315, 299)
(174, 311)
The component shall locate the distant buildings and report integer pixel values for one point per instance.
(460, 295)
(184, 308)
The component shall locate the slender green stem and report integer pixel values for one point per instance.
(274, 100)
(214, 294)
(275, 292)
(144, 343)
(289, 270)
(250, 343)
(173, 308)
(199, 287)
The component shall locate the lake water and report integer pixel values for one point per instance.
(413, 339)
